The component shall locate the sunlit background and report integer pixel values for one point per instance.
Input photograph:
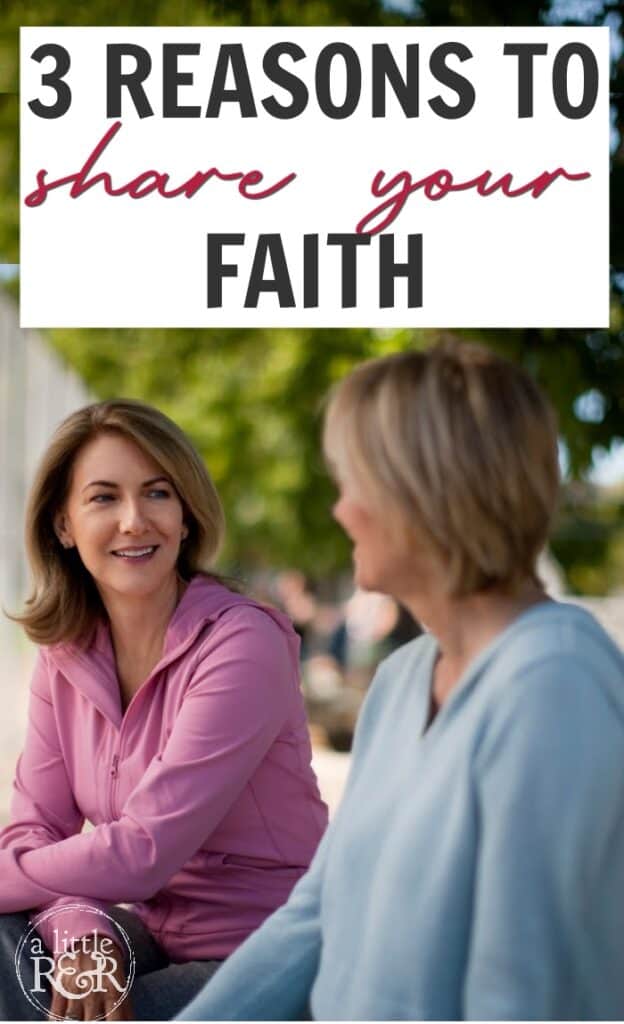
(251, 401)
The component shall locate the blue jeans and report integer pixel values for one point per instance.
(159, 991)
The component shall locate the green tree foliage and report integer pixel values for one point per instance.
(251, 399)
(590, 539)
(9, 178)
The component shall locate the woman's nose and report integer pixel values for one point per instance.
(132, 517)
(337, 510)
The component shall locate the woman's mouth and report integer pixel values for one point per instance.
(142, 554)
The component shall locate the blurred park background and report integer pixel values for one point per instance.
(251, 399)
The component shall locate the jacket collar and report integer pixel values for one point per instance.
(93, 671)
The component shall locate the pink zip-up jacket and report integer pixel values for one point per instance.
(205, 807)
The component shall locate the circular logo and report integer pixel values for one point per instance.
(36, 963)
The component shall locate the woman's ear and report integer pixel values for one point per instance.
(62, 530)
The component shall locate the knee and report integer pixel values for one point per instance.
(13, 927)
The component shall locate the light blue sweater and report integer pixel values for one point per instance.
(475, 870)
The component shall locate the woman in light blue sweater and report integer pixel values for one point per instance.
(475, 868)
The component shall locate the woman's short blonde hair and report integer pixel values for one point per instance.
(64, 604)
(461, 447)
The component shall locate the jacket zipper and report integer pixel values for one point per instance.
(173, 656)
(114, 770)
(114, 774)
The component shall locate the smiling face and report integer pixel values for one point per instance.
(124, 517)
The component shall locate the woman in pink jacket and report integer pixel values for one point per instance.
(165, 711)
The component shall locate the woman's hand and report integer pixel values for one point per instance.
(90, 981)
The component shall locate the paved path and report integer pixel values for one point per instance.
(331, 771)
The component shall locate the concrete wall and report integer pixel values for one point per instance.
(36, 392)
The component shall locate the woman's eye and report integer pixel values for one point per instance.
(159, 493)
(101, 499)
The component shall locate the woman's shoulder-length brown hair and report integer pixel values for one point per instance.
(64, 605)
